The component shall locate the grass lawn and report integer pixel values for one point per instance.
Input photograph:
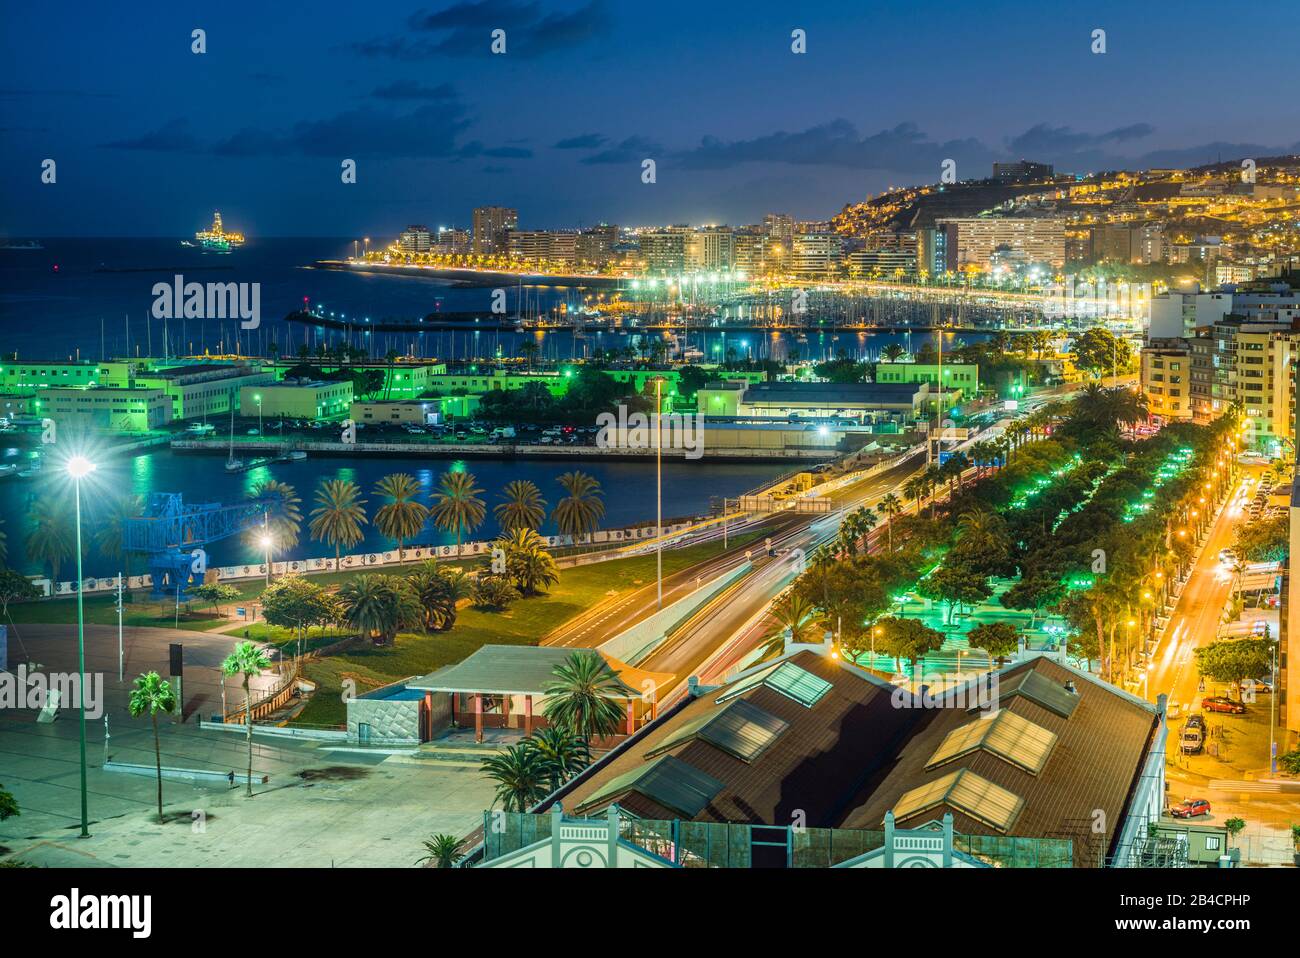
(523, 624)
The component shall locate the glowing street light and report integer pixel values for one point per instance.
(78, 468)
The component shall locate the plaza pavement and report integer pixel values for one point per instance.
(320, 808)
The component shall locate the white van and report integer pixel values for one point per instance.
(1191, 740)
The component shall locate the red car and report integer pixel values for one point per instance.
(1190, 808)
(1221, 703)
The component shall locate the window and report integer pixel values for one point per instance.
(1008, 736)
(740, 728)
(1211, 843)
(968, 793)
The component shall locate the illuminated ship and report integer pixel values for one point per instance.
(216, 238)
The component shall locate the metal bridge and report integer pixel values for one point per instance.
(173, 534)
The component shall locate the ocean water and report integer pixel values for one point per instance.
(92, 298)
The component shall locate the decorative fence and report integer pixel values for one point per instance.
(363, 560)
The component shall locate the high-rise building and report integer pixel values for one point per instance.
(596, 245)
(711, 249)
(664, 251)
(816, 255)
(1166, 378)
(1141, 243)
(491, 224)
(972, 240)
(452, 241)
(543, 246)
(779, 227)
(415, 239)
(1022, 171)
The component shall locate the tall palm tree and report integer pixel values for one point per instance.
(585, 696)
(521, 777)
(523, 508)
(792, 613)
(891, 506)
(151, 693)
(915, 489)
(443, 850)
(892, 353)
(933, 477)
(339, 515)
(247, 660)
(402, 516)
(4, 544)
(456, 505)
(282, 517)
(565, 754)
(53, 537)
(111, 537)
(579, 513)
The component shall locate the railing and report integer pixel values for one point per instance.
(275, 698)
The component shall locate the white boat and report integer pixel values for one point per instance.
(32, 470)
(8, 470)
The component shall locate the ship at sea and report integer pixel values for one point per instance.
(217, 239)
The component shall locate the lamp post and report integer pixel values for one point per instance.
(258, 399)
(78, 467)
(266, 545)
(659, 493)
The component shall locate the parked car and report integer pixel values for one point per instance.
(1221, 703)
(1195, 720)
(1190, 808)
(1191, 740)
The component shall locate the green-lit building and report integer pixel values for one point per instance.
(962, 376)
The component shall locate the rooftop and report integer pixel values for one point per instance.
(813, 735)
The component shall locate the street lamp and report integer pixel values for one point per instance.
(78, 468)
(258, 399)
(659, 492)
(266, 545)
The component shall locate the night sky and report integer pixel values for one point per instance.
(149, 137)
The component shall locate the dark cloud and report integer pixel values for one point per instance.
(1042, 139)
(412, 90)
(429, 131)
(76, 94)
(475, 148)
(586, 141)
(836, 144)
(464, 29)
(172, 137)
(632, 150)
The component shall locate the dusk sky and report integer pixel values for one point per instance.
(149, 137)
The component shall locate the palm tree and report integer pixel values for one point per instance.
(4, 544)
(794, 614)
(856, 525)
(579, 513)
(457, 587)
(430, 587)
(523, 508)
(151, 693)
(281, 518)
(52, 538)
(111, 537)
(247, 660)
(521, 777)
(443, 850)
(891, 506)
(585, 696)
(892, 353)
(493, 593)
(456, 505)
(565, 754)
(380, 606)
(401, 517)
(933, 477)
(914, 489)
(530, 565)
(338, 516)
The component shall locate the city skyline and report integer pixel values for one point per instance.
(736, 122)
